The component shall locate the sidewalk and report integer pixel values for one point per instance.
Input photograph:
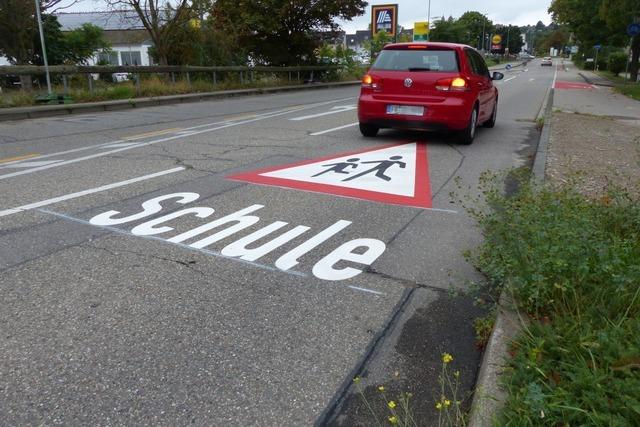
(595, 135)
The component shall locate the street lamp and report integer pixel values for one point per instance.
(44, 49)
(429, 20)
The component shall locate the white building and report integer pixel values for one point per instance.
(129, 40)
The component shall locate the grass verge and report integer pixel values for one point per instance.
(632, 90)
(150, 86)
(571, 263)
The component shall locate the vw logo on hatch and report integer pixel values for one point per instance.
(408, 82)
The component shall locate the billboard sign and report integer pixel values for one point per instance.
(384, 17)
(420, 31)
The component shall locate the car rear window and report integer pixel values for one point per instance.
(420, 60)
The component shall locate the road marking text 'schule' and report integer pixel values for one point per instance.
(362, 251)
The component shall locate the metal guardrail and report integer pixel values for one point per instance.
(245, 74)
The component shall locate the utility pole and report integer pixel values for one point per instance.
(44, 49)
(484, 21)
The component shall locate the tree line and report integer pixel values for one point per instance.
(604, 23)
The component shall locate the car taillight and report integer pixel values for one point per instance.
(455, 84)
(370, 82)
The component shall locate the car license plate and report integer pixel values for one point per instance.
(406, 110)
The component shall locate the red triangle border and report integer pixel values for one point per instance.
(421, 198)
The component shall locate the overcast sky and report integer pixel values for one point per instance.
(516, 12)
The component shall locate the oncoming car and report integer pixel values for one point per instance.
(546, 61)
(428, 86)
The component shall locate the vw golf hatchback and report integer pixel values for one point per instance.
(428, 86)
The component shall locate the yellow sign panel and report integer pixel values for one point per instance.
(496, 39)
(420, 31)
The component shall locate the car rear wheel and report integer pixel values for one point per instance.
(492, 121)
(466, 136)
(368, 130)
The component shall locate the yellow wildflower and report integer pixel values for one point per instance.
(356, 380)
(381, 388)
(456, 374)
(447, 403)
(391, 404)
(393, 420)
(446, 357)
(438, 405)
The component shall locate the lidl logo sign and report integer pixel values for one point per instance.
(384, 18)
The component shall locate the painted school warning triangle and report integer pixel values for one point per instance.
(395, 174)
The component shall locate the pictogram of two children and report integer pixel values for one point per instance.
(381, 167)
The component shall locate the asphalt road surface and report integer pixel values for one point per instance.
(199, 263)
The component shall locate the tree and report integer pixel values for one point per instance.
(282, 32)
(82, 43)
(448, 30)
(475, 25)
(377, 42)
(163, 20)
(618, 14)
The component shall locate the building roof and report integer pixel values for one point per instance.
(127, 37)
(111, 20)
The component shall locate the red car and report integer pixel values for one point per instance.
(428, 86)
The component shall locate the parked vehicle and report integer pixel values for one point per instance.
(428, 86)
(546, 61)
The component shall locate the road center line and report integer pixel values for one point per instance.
(331, 130)
(183, 133)
(16, 159)
(42, 203)
(510, 78)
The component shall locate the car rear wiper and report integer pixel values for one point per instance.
(419, 69)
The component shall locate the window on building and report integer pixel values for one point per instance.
(131, 57)
(110, 58)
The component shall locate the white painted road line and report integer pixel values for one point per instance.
(331, 130)
(334, 110)
(42, 203)
(182, 245)
(510, 78)
(366, 290)
(182, 134)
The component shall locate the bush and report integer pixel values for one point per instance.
(617, 62)
(572, 264)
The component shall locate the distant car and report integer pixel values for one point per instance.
(428, 86)
(546, 61)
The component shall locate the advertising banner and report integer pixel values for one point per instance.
(384, 17)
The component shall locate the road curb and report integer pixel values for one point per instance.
(22, 113)
(489, 397)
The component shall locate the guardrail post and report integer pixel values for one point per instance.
(138, 84)
(188, 79)
(252, 79)
(90, 76)
(298, 75)
(214, 78)
(289, 76)
(241, 80)
(312, 75)
(65, 84)
(173, 77)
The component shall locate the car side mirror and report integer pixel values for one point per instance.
(497, 76)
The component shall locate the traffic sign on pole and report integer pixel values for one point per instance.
(633, 29)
